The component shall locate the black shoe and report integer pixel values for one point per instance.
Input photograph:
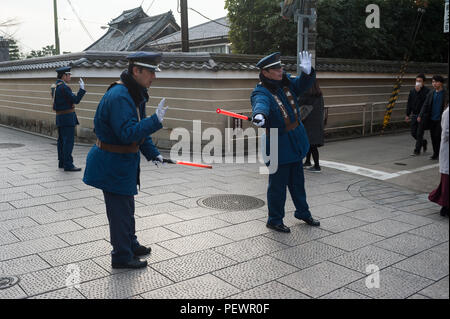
(73, 169)
(135, 263)
(307, 164)
(315, 169)
(425, 146)
(279, 228)
(416, 153)
(142, 251)
(444, 211)
(311, 221)
(434, 157)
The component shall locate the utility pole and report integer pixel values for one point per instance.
(184, 26)
(55, 10)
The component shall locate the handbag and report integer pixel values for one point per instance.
(305, 110)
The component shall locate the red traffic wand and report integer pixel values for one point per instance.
(169, 161)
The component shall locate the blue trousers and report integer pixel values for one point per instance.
(292, 177)
(122, 227)
(66, 137)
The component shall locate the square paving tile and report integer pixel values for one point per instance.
(340, 223)
(155, 235)
(124, 285)
(394, 284)
(387, 228)
(46, 230)
(59, 277)
(194, 265)
(428, 264)
(351, 239)
(23, 265)
(196, 226)
(86, 235)
(77, 253)
(373, 214)
(66, 293)
(299, 235)
(204, 287)
(344, 293)
(361, 258)
(250, 248)
(190, 244)
(271, 290)
(242, 216)
(330, 210)
(308, 254)
(30, 247)
(437, 231)
(438, 290)
(406, 244)
(255, 272)
(244, 230)
(320, 279)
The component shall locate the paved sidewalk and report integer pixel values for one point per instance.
(51, 225)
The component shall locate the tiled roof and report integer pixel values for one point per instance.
(135, 34)
(212, 62)
(210, 30)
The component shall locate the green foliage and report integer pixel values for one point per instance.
(14, 51)
(258, 28)
(48, 50)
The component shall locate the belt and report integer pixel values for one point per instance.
(292, 126)
(65, 112)
(121, 149)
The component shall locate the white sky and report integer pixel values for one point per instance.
(36, 28)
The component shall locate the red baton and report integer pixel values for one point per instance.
(235, 115)
(169, 161)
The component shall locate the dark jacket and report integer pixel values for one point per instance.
(64, 100)
(416, 100)
(293, 145)
(314, 122)
(117, 122)
(427, 108)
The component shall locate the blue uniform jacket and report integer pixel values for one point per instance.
(64, 100)
(116, 122)
(294, 145)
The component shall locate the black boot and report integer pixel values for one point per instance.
(142, 251)
(279, 228)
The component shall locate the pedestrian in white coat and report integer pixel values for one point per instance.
(441, 194)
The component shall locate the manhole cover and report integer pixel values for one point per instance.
(8, 282)
(10, 145)
(231, 202)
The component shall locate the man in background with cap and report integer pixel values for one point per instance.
(274, 103)
(66, 118)
(113, 164)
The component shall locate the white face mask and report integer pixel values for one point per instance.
(418, 84)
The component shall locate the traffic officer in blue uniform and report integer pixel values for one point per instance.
(274, 104)
(66, 118)
(113, 164)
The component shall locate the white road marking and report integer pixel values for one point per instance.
(367, 172)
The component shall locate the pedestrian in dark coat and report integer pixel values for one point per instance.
(416, 98)
(431, 113)
(314, 124)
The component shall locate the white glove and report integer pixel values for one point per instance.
(81, 84)
(161, 110)
(259, 120)
(159, 160)
(305, 62)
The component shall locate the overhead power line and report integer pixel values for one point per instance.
(79, 19)
(208, 18)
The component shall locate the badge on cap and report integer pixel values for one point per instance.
(149, 60)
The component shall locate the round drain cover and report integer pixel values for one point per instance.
(8, 282)
(231, 202)
(10, 145)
